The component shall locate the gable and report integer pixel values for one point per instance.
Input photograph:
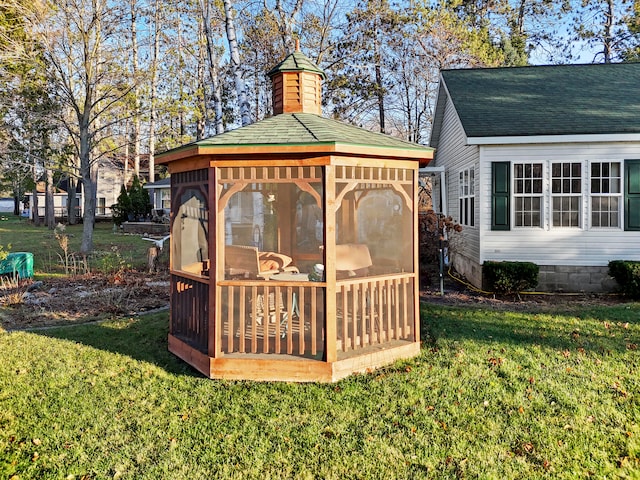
(599, 99)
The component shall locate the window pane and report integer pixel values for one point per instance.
(537, 186)
(576, 170)
(537, 170)
(615, 169)
(575, 186)
(614, 185)
(555, 186)
(595, 186)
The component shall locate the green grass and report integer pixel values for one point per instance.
(110, 249)
(493, 394)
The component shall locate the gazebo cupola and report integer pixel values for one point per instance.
(293, 243)
(297, 85)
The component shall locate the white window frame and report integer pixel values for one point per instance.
(466, 197)
(607, 195)
(530, 183)
(569, 187)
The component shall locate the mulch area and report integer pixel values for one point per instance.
(64, 301)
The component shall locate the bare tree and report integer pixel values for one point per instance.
(83, 44)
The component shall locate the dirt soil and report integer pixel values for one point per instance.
(64, 301)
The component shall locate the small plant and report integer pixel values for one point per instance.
(627, 274)
(13, 290)
(4, 253)
(510, 277)
(113, 264)
(71, 263)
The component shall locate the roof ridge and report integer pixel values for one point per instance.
(299, 120)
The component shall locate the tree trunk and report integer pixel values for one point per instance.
(213, 67)
(234, 52)
(379, 85)
(136, 90)
(35, 214)
(608, 31)
(154, 92)
(49, 211)
(72, 199)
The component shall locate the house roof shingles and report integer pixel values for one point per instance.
(547, 100)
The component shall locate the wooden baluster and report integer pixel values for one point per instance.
(242, 319)
(302, 319)
(254, 319)
(289, 331)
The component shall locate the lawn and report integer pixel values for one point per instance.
(494, 394)
(111, 248)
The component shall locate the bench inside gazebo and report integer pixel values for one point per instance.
(293, 243)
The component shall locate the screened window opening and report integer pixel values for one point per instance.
(273, 224)
(374, 225)
(190, 233)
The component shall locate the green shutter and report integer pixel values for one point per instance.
(632, 195)
(500, 193)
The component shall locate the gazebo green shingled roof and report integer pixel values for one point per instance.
(303, 129)
(547, 100)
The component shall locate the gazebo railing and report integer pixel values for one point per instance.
(374, 311)
(190, 311)
(269, 317)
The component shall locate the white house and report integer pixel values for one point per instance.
(542, 165)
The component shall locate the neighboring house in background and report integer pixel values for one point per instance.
(160, 193)
(59, 202)
(542, 165)
(111, 177)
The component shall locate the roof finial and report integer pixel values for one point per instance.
(297, 44)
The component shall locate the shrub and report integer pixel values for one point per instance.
(627, 274)
(510, 277)
(133, 204)
(121, 209)
(435, 232)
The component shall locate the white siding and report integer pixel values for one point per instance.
(549, 245)
(456, 155)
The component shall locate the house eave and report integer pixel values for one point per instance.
(544, 139)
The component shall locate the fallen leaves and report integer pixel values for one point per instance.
(495, 361)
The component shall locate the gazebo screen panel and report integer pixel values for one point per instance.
(273, 225)
(375, 268)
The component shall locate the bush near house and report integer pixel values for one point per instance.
(627, 274)
(510, 277)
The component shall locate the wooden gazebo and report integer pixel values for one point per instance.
(293, 243)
